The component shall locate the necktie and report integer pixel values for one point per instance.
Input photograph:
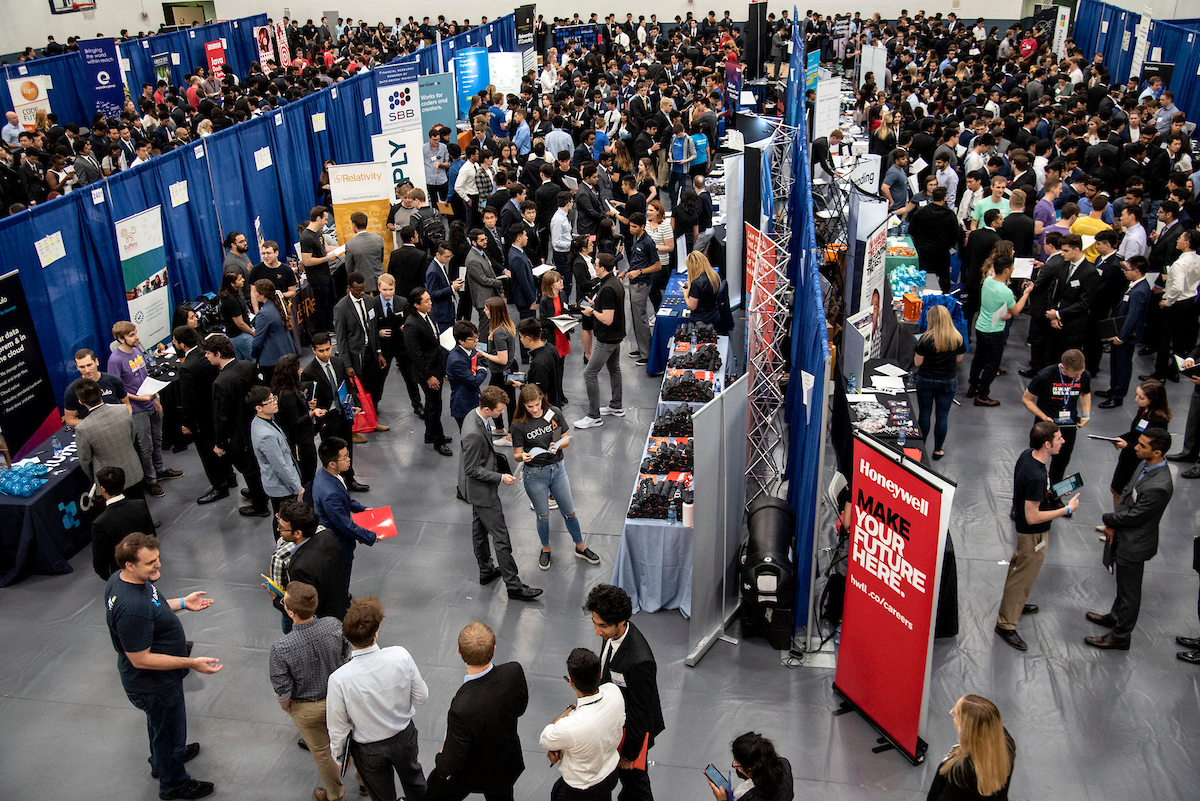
(332, 384)
(387, 308)
(362, 313)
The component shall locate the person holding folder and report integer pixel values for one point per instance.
(1130, 314)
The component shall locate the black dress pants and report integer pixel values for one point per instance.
(380, 762)
(433, 414)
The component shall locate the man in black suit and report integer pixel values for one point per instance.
(316, 559)
(628, 662)
(328, 372)
(1131, 537)
(482, 752)
(408, 262)
(428, 364)
(1068, 312)
(393, 309)
(196, 378)
(121, 517)
(354, 321)
(231, 419)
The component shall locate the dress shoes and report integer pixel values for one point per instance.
(459, 495)
(1180, 457)
(1029, 609)
(189, 753)
(193, 789)
(1106, 620)
(1107, 642)
(1189, 656)
(169, 473)
(526, 593)
(381, 427)
(212, 495)
(989, 402)
(303, 746)
(255, 511)
(1193, 472)
(419, 411)
(189, 645)
(247, 494)
(362, 789)
(1162, 379)
(1111, 403)
(1103, 393)
(972, 391)
(319, 794)
(443, 449)
(156, 490)
(486, 577)
(1011, 637)
(358, 438)
(355, 486)
(1028, 372)
(1188, 642)
(1147, 352)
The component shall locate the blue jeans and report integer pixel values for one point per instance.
(939, 393)
(540, 484)
(241, 346)
(166, 723)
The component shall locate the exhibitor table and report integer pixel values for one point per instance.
(672, 313)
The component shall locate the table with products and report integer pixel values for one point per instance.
(40, 534)
(654, 558)
(900, 252)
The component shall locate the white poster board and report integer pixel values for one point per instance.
(828, 106)
(505, 70)
(873, 60)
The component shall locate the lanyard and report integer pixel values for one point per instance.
(1067, 397)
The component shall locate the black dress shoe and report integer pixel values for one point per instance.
(189, 753)
(459, 495)
(1147, 352)
(1189, 656)
(255, 511)
(212, 495)
(488, 576)
(1180, 457)
(303, 746)
(1011, 637)
(190, 645)
(1029, 609)
(356, 486)
(247, 494)
(526, 593)
(1188, 642)
(1099, 619)
(443, 449)
(1192, 472)
(1103, 393)
(193, 789)
(1028, 372)
(1107, 642)
(972, 391)
(419, 411)
(1111, 403)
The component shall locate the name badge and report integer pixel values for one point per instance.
(1125, 298)
(370, 314)
(1075, 283)
(617, 678)
(1064, 416)
(1141, 426)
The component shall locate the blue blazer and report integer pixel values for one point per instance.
(1134, 306)
(333, 505)
(464, 385)
(271, 338)
(524, 288)
(442, 294)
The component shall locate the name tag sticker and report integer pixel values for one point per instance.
(1075, 283)
(617, 678)
(370, 314)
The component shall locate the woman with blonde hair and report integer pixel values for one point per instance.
(501, 336)
(980, 766)
(938, 352)
(647, 179)
(883, 139)
(700, 291)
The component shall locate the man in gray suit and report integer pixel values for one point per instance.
(105, 438)
(277, 466)
(364, 252)
(355, 318)
(479, 479)
(1131, 537)
(87, 166)
(482, 280)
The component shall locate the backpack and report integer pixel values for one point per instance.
(431, 230)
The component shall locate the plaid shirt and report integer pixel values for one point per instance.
(279, 562)
(484, 185)
(302, 661)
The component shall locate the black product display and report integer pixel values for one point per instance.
(687, 387)
(652, 500)
(704, 332)
(669, 458)
(675, 422)
(768, 572)
(705, 357)
(208, 312)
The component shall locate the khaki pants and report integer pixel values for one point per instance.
(309, 717)
(1022, 571)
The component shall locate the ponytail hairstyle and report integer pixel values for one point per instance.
(757, 756)
(266, 289)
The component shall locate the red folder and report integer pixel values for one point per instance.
(640, 762)
(380, 520)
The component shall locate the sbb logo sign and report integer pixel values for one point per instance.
(400, 105)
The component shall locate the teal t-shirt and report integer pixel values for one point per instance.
(995, 296)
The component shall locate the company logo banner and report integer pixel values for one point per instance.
(144, 266)
(399, 96)
(438, 104)
(285, 53)
(367, 188)
(29, 94)
(264, 36)
(215, 53)
(472, 73)
(28, 407)
(102, 71)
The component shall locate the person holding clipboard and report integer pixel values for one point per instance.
(1062, 394)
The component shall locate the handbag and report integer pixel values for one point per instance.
(366, 420)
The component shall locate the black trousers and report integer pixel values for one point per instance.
(600, 791)
(989, 350)
(1178, 337)
(1059, 462)
(404, 366)
(635, 785)
(245, 463)
(1040, 339)
(379, 762)
(1129, 597)
(323, 300)
(215, 470)
(336, 425)
(433, 414)
(489, 520)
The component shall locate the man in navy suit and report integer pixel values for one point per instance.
(466, 371)
(524, 287)
(443, 289)
(1133, 307)
(333, 503)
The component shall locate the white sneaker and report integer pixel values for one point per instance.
(589, 422)
(618, 411)
(503, 442)
(553, 504)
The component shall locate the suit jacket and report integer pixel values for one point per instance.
(979, 246)
(117, 521)
(510, 215)
(87, 170)
(633, 669)
(196, 377)
(443, 295)
(1112, 286)
(364, 254)
(481, 278)
(325, 394)
(356, 343)
(393, 343)
(1138, 513)
(589, 212)
(1076, 294)
(1045, 287)
(407, 265)
(464, 384)
(319, 563)
(271, 338)
(280, 473)
(231, 416)
(482, 752)
(1163, 251)
(477, 466)
(424, 349)
(333, 505)
(1134, 307)
(105, 439)
(524, 287)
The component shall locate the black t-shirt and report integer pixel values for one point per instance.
(611, 295)
(937, 364)
(705, 295)
(112, 389)
(139, 617)
(233, 306)
(643, 253)
(313, 244)
(1056, 393)
(1031, 482)
(540, 433)
(280, 275)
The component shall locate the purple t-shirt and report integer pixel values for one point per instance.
(131, 369)
(1043, 212)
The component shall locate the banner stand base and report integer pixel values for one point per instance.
(889, 743)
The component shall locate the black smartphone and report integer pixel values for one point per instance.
(714, 775)
(1068, 484)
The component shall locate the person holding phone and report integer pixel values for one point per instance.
(759, 773)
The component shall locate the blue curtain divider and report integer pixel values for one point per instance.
(1181, 45)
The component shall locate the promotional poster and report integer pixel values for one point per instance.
(144, 265)
(28, 408)
(399, 96)
(102, 71)
(28, 95)
(367, 188)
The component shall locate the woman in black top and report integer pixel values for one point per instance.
(234, 315)
(297, 414)
(582, 252)
(939, 350)
(537, 427)
(501, 354)
(980, 766)
(700, 291)
(1153, 410)
(759, 773)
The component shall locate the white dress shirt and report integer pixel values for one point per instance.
(588, 737)
(1183, 277)
(372, 697)
(1134, 243)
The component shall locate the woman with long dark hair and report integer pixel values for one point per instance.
(501, 336)
(272, 329)
(759, 773)
(1153, 410)
(234, 315)
(980, 766)
(460, 247)
(583, 268)
(297, 414)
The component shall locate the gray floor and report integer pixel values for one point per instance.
(1088, 725)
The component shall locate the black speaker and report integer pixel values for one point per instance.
(767, 572)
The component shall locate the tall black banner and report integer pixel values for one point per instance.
(758, 41)
(28, 409)
(523, 16)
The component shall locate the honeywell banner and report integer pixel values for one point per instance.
(897, 536)
(363, 187)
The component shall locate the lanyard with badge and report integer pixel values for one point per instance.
(1064, 416)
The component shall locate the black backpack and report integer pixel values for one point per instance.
(431, 230)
